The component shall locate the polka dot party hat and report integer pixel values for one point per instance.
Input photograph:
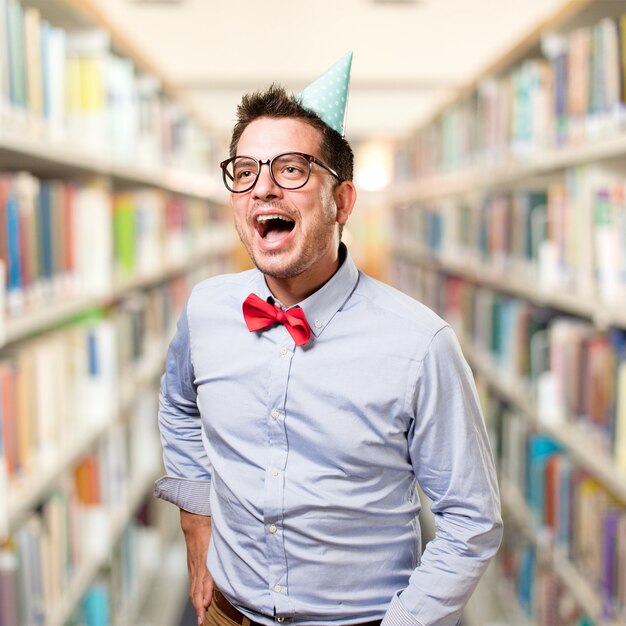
(328, 95)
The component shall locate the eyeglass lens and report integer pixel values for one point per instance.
(290, 171)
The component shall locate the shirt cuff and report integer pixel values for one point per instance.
(189, 495)
(397, 615)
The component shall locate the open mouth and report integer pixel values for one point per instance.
(272, 227)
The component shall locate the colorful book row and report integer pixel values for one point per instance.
(68, 533)
(540, 592)
(569, 236)
(63, 240)
(574, 372)
(60, 387)
(570, 513)
(575, 92)
(69, 85)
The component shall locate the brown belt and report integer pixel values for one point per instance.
(239, 618)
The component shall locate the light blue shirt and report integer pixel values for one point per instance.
(307, 457)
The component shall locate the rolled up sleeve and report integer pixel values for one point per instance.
(187, 482)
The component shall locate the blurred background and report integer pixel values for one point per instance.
(490, 145)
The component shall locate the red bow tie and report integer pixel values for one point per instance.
(260, 314)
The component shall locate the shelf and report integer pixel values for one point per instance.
(55, 158)
(573, 438)
(508, 174)
(120, 517)
(25, 493)
(31, 489)
(601, 314)
(578, 586)
(57, 312)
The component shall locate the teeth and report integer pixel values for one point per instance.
(265, 218)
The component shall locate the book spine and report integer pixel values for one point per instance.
(96, 606)
(14, 286)
(8, 587)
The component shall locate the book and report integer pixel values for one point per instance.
(95, 606)
(540, 449)
(610, 524)
(15, 300)
(32, 61)
(53, 61)
(26, 189)
(579, 42)
(8, 587)
(87, 54)
(4, 59)
(620, 417)
(28, 540)
(93, 247)
(16, 57)
(606, 246)
(4, 472)
(9, 425)
(124, 235)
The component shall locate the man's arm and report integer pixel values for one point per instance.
(452, 460)
(197, 532)
(188, 480)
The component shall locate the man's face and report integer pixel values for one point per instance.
(286, 232)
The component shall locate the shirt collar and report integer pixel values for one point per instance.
(321, 306)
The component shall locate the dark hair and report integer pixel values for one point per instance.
(275, 102)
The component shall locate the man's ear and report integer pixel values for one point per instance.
(345, 198)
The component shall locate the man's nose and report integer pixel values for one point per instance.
(265, 186)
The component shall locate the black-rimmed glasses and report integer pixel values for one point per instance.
(290, 170)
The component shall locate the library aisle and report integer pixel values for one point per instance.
(499, 202)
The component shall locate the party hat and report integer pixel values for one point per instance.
(328, 95)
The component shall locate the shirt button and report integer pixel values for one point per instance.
(277, 588)
(274, 472)
(283, 351)
(318, 324)
(273, 528)
(275, 414)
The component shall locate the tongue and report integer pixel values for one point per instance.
(276, 235)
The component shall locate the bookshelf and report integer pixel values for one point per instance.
(41, 155)
(108, 216)
(139, 488)
(510, 221)
(579, 587)
(601, 314)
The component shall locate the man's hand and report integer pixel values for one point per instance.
(197, 531)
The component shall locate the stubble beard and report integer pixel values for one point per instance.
(269, 263)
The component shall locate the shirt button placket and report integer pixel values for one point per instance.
(275, 477)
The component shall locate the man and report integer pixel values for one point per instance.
(294, 431)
